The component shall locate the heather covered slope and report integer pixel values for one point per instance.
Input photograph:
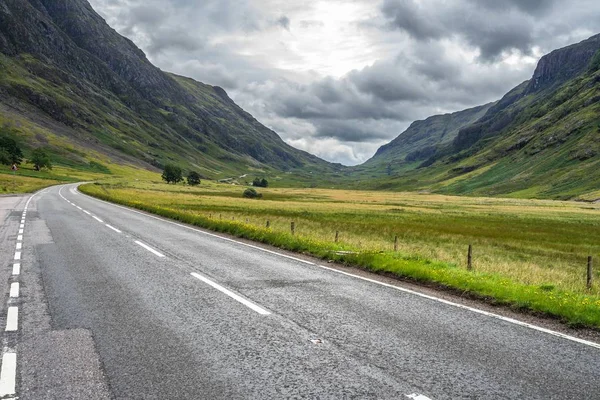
(61, 62)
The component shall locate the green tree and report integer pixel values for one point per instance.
(172, 173)
(258, 182)
(193, 178)
(40, 159)
(10, 152)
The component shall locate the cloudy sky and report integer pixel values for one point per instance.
(339, 78)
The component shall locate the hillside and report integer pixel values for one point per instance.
(542, 139)
(422, 138)
(69, 81)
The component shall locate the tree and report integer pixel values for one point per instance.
(40, 159)
(193, 178)
(172, 173)
(258, 182)
(10, 152)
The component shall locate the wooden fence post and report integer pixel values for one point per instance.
(268, 223)
(337, 235)
(470, 258)
(293, 228)
(589, 272)
(396, 243)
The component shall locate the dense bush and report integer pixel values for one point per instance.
(251, 194)
(260, 182)
(193, 178)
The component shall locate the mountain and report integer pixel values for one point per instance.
(422, 138)
(67, 78)
(542, 139)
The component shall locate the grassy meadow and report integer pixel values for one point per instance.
(531, 254)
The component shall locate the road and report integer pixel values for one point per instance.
(114, 303)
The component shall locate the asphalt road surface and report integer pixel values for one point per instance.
(113, 303)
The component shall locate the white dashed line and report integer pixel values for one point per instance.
(22, 226)
(8, 375)
(12, 319)
(19, 245)
(17, 255)
(16, 269)
(229, 293)
(20, 238)
(87, 212)
(416, 396)
(14, 289)
(20, 231)
(79, 207)
(113, 228)
(98, 219)
(150, 249)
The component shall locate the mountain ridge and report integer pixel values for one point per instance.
(60, 57)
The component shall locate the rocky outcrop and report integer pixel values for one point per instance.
(563, 64)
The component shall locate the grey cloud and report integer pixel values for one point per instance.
(311, 24)
(284, 22)
(493, 27)
(350, 130)
(533, 7)
(173, 39)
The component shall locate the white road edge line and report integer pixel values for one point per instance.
(150, 249)
(113, 228)
(229, 293)
(98, 219)
(472, 309)
(16, 269)
(14, 289)
(8, 375)
(475, 310)
(12, 319)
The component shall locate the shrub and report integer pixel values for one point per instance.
(260, 182)
(251, 194)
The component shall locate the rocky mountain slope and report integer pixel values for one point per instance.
(542, 139)
(65, 72)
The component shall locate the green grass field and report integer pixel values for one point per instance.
(530, 254)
